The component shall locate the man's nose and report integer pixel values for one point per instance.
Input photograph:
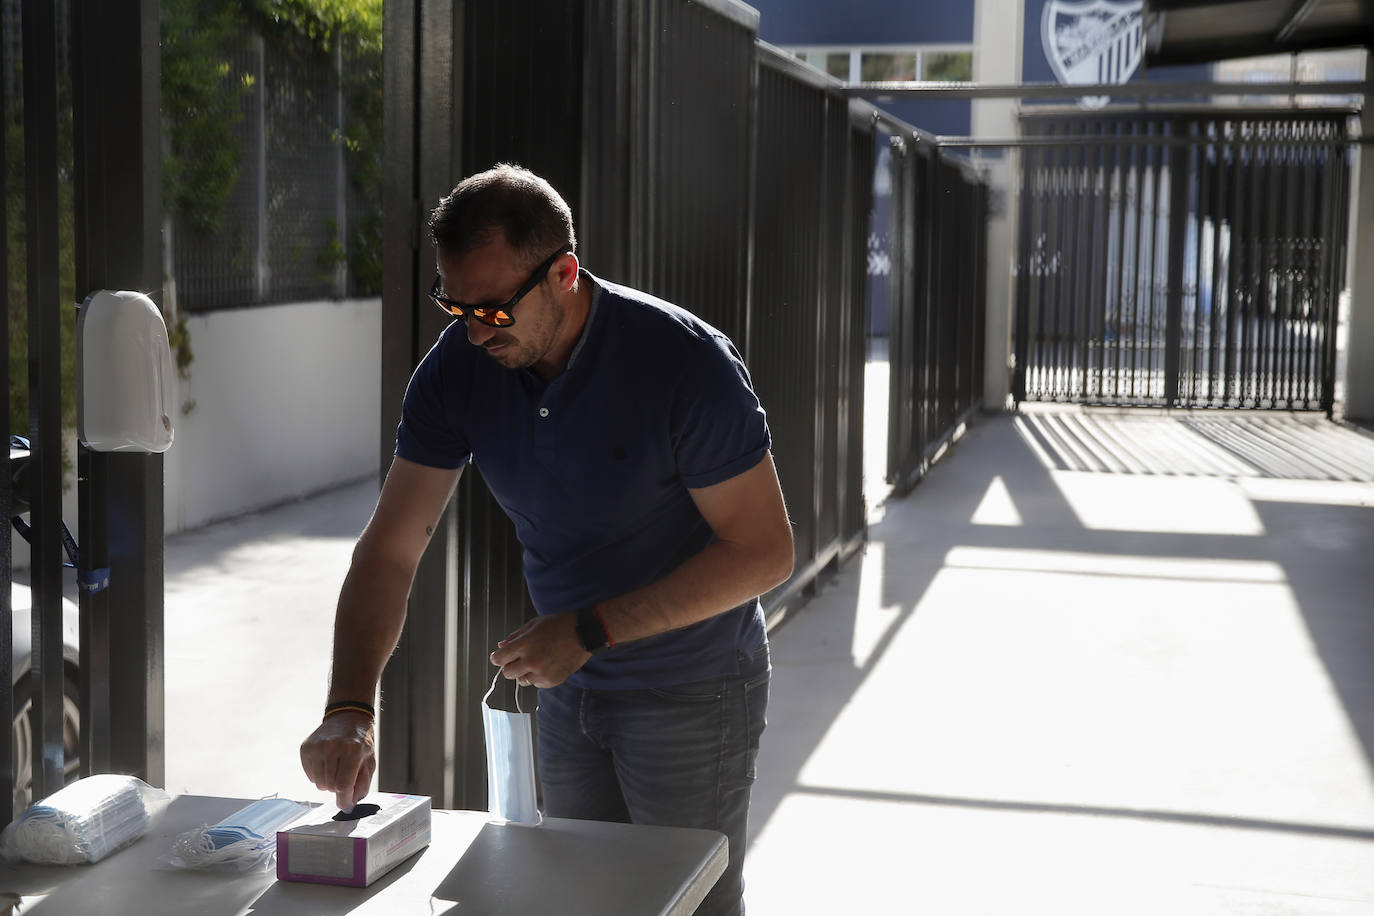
(479, 333)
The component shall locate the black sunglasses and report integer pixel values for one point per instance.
(496, 316)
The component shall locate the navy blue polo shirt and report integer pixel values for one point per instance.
(593, 468)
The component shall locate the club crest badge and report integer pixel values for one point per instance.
(1097, 41)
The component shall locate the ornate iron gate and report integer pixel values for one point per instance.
(1181, 258)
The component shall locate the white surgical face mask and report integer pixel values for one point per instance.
(243, 841)
(258, 821)
(511, 795)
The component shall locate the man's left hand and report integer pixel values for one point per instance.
(543, 652)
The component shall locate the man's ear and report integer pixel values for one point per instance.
(566, 272)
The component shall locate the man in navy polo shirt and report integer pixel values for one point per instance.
(622, 437)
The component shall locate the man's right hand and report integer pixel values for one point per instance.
(338, 757)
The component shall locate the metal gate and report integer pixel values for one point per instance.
(1181, 258)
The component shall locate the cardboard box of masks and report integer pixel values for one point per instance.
(355, 849)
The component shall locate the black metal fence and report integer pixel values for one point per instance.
(1182, 258)
(936, 347)
(113, 54)
(702, 166)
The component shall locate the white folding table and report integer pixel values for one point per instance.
(472, 868)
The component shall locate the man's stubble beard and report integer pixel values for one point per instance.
(525, 354)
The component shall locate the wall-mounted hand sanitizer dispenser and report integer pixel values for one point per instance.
(123, 374)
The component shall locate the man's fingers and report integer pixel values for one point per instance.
(338, 758)
(520, 631)
(362, 783)
(338, 770)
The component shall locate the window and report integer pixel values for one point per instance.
(948, 66)
(893, 63)
(887, 67)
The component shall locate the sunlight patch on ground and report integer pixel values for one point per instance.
(971, 858)
(1167, 686)
(1060, 561)
(1176, 505)
(1313, 492)
(876, 622)
(996, 507)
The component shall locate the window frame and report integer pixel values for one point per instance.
(817, 56)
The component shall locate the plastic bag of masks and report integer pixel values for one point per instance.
(83, 822)
(244, 841)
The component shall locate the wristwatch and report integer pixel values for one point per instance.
(591, 632)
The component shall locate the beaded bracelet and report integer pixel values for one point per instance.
(349, 706)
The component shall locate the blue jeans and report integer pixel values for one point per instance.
(680, 756)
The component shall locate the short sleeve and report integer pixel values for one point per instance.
(431, 432)
(719, 427)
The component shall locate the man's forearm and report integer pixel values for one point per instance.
(722, 576)
(367, 626)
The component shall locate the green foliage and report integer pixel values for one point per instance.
(203, 96)
(319, 21)
(202, 100)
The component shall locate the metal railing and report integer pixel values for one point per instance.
(1189, 258)
(939, 244)
(702, 166)
(117, 224)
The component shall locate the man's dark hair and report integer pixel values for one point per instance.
(505, 199)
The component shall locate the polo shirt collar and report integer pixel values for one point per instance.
(597, 290)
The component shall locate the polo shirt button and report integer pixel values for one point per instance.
(543, 411)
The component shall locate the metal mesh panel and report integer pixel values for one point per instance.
(300, 99)
(219, 269)
(284, 232)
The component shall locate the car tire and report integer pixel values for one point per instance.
(25, 727)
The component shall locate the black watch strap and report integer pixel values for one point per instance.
(591, 632)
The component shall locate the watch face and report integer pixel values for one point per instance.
(590, 632)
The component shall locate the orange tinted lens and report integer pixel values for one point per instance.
(449, 307)
(496, 318)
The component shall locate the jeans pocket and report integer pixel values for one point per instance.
(709, 690)
(755, 719)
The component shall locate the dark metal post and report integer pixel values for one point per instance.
(1025, 248)
(45, 313)
(1179, 176)
(116, 100)
(423, 132)
(901, 226)
(7, 773)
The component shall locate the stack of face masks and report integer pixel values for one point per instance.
(244, 840)
(84, 822)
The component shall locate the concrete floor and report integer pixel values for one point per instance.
(1094, 663)
(1055, 690)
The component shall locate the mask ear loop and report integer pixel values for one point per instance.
(492, 690)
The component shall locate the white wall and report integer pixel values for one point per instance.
(286, 403)
(997, 33)
(1359, 345)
